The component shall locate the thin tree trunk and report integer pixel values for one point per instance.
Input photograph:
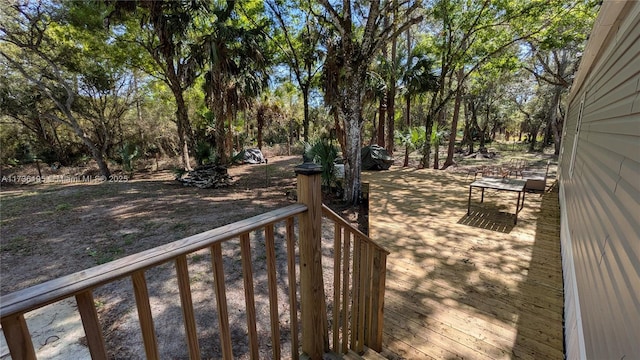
(406, 148)
(408, 97)
(391, 99)
(184, 128)
(556, 120)
(382, 111)
(436, 155)
(374, 129)
(454, 123)
(557, 135)
(533, 137)
(305, 120)
(426, 149)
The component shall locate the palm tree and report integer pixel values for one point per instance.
(418, 79)
(237, 72)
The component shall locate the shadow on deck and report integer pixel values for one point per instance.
(466, 286)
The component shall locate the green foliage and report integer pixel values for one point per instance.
(204, 153)
(104, 255)
(412, 139)
(324, 153)
(63, 207)
(437, 137)
(128, 153)
(419, 77)
(178, 172)
(238, 158)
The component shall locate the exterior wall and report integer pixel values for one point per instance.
(600, 192)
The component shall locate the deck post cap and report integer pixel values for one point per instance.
(308, 167)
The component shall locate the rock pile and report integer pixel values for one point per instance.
(207, 176)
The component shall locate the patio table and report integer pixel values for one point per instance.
(500, 184)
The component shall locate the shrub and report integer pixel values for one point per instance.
(324, 153)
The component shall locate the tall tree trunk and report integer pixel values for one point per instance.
(557, 120)
(408, 98)
(220, 136)
(533, 137)
(406, 148)
(382, 109)
(229, 140)
(352, 110)
(426, 148)
(436, 156)
(391, 99)
(454, 122)
(184, 127)
(305, 120)
(260, 120)
(520, 131)
(557, 134)
(374, 129)
(548, 134)
(340, 134)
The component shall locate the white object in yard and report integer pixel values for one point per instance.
(339, 168)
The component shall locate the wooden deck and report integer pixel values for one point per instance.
(466, 287)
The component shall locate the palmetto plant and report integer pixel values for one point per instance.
(203, 153)
(411, 139)
(324, 153)
(128, 153)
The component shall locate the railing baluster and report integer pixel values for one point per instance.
(293, 301)
(221, 301)
(273, 290)
(91, 325)
(182, 271)
(337, 248)
(362, 295)
(377, 303)
(355, 291)
(346, 252)
(247, 274)
(367, 292)
(144, 314)
(373, 294)
(18, 338)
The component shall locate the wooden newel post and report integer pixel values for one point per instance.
(315, 338)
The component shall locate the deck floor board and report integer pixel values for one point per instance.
(466, 286)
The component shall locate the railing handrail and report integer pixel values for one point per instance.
(326, 211)
(37, 296)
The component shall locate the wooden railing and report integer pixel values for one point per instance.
(358, 296)
(81, 285)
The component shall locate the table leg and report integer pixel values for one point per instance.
(515, 221)
(482, 197)
(469, 202)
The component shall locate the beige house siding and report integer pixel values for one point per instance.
(600, 192)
